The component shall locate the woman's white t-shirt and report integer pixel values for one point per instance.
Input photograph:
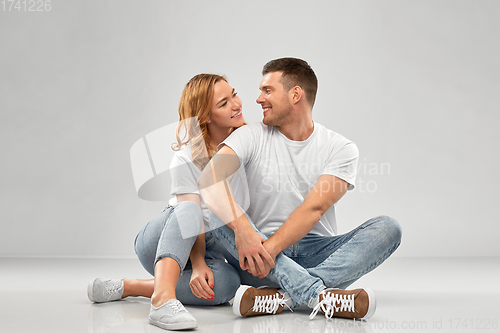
(184, 180)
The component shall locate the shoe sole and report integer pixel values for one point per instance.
(237, 300)
(173, 327)
(90, 291)
(372, 303)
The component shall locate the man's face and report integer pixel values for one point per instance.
(275, 101)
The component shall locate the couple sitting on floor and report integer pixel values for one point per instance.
(253, 217)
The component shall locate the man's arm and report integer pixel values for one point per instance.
(326, 192)
(217, 194)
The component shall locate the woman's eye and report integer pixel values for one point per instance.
(235, 93)
(223, 104)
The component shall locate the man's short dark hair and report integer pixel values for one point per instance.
(296, 72)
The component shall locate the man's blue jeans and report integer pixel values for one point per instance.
(318, 262)
(162, 237)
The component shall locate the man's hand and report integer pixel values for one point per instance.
(252, 254)
(202, 281)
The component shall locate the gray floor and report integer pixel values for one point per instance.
(413, 294)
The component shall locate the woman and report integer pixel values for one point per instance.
(166, 243)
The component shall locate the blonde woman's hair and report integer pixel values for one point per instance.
(194, 106)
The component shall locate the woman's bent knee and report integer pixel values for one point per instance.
(189, 217)
(189, 206)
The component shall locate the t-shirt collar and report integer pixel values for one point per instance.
(298, 143)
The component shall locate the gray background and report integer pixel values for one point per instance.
(416, 84)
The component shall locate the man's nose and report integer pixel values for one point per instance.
(260, 99)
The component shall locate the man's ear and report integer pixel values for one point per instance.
(297, 94)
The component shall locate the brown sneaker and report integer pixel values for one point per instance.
(352, 304)
(250, 301)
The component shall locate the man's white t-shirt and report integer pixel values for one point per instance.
(184, 175)
(280, 172)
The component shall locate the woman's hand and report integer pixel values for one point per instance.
(202, 281)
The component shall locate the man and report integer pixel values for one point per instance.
(297, 170)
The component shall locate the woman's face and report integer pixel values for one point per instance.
(226, 111)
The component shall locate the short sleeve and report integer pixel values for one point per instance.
(184, 175)
(244, 141)
(343, 162)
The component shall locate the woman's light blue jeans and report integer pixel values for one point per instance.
(318, 262)
(162, 237)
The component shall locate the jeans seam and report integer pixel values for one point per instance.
(377, 263)
(356, 231)
(330, 248)
(315, 296)
(340, 247)
(382, 258)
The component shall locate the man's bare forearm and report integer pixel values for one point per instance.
(325, 193)
(299, 223)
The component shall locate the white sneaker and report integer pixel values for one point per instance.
(351, 304)
(100, 291)
(171, 316)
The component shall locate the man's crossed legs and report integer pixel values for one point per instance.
(308, 270)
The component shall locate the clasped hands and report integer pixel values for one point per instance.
(256, 255)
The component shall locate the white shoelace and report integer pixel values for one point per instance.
(113, 288)
(268, 303)
(176, 306)
(329, 304)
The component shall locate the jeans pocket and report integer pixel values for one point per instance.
(209, 240)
